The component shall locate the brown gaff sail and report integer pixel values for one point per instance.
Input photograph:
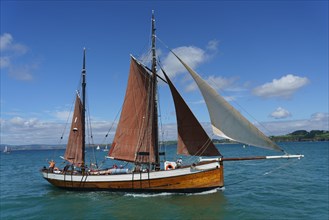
(192, 138)
(73, 152)
(134, 137)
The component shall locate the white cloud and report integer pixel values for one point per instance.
(284, 87)
(213, 45)
(7, 44)
(317, 121)
(280, 113)
(227, 98)
(31, 122)
(192, 56)
(320, 116)
(19, 130)
(61, 115)
(5, 41)
(192, 86)
(23, 72)
(17, 121)
(11, 54)
(23, 123)
(218, 83)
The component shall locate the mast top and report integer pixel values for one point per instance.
(84, 62)
(153, 45)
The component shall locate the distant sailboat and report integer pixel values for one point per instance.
(136, 140)
(7, 150)
(105, 149)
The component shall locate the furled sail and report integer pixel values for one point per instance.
(73, 151)
(227, 122)
(192, 139)
(134, 138)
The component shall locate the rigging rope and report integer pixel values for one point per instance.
(162, 146)
(112, 125)
(284, 165)
(281, 167)
(68, 117)
(106, 136)
(90, 135)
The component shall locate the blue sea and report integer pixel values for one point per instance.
(267, 189)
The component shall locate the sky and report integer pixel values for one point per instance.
(269, 59)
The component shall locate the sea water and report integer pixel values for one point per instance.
(267, 189)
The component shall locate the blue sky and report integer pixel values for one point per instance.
(269, 59)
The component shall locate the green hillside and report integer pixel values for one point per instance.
(303, 135)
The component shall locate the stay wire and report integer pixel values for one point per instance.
(106, 136)
(112, 125)
(67, 122)
(287, 164)
(162, 146)
(90, 134)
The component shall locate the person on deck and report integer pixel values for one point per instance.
(179, 162)
(51, 165)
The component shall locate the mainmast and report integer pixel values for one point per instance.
(155, 110)
(83, 109)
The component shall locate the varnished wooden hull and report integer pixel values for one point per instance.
(200, 178)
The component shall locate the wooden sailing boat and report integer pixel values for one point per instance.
(136, 140)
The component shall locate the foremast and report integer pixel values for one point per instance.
(155, 98)
(83, 110)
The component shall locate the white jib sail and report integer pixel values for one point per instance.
(227, 122)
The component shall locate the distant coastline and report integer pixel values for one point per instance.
(296, 136)
(303, 135)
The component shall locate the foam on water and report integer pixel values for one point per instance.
(146, 195)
